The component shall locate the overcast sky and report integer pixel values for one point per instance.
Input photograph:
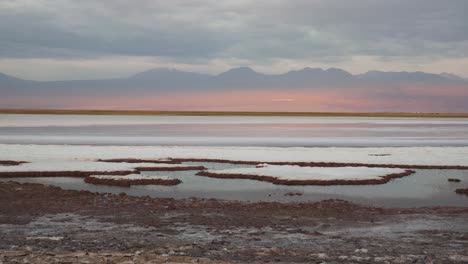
(88, 39)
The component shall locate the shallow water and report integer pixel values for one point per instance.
(424, 188)
(233, 130)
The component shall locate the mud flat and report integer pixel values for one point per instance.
(44, 224)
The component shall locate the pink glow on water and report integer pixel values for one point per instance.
(411, 98)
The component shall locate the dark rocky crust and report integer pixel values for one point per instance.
(462, 191)
(454, 180)
(139, 161)
(302, 164)
(83, 174)
(185, 168)
(11, 162)
(277, 181)
(128, 183)
(78, 174)
(332, 164)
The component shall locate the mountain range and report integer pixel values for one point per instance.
(157, 83)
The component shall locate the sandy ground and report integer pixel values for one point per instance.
(45, 224)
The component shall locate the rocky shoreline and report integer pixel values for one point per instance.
(44, 224)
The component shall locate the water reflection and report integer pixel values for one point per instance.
(357, 132)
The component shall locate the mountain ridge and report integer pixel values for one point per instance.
(164, 72)
(308, 89)
(166, 81)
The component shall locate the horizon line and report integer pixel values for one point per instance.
(227, 113)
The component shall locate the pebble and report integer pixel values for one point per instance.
(459, 258)
(322, 255)
(361, 250)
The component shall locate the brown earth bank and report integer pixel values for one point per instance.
(45, 224)
(128, 183)
(275, 180)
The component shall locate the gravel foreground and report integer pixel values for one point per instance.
(45, 224)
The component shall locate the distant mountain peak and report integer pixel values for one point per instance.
(410, 77)
(320, 70)
(6, 77)
(304, 71)
(3, 75)
(312, 69)
(309, 69)
(451, 76)
(158, 71)
(164, 73)
(240, 70)
(338, 71)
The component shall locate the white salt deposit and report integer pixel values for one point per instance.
(17, 120)
(45, 157)
(288, 172)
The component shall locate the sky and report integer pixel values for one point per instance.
(89, 39)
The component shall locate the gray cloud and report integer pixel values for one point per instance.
(197, 30)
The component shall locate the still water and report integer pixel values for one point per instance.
(424, 188)
(232, 130)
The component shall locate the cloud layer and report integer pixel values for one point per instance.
(210, 35)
